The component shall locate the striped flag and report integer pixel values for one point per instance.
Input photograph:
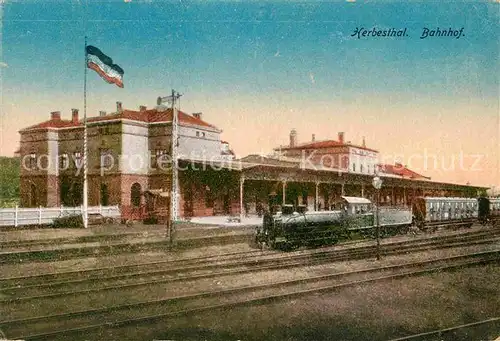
(103, 65)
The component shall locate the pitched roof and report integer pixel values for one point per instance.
(322, 144)
(153, 116)
(400, 170)
(148, 116)
(53, 123)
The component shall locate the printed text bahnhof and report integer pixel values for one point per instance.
(374, 32)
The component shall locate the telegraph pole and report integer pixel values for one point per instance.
(85, 214)
(174, 194)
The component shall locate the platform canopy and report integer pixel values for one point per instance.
(356, 200)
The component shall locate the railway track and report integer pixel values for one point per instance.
(461, 332)
(216, 261)
(211, 267)
(85, 321)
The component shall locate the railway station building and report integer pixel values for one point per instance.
(129, 153)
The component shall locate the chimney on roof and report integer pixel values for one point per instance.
(102, 113)
(55, 115)
(364, 142)
(398, 164)
(341, 137)
(197, 115)
(74, 115)
(313, 138)
(119, 108)
(142, 108)
(293, 138)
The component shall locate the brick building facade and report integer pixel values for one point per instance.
(129, 153)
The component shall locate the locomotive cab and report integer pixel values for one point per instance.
(357, 213)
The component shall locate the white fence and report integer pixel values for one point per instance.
(46, 215)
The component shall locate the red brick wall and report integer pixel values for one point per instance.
(40, 182)
(127, 180)
(113, 183)
(53, 195)
(128, 211)
(160, 181)
(200, 209)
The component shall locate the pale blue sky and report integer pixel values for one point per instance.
(262, 68)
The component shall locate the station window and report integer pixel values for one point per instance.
(32, 161)
(64, 161)
(135, 195)
(33, 196)
(78, 159)
(353, 167)
(106, 158)
(160, 156)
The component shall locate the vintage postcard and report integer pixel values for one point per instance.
(249, 170)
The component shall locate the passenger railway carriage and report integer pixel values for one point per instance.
(431, 213)
(294, 226)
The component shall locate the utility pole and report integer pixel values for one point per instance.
(377, 184)
(85, 214)
(174, 194)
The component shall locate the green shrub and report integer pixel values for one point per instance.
(68, 222)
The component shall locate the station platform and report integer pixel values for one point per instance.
(199, 226)
(58, 244)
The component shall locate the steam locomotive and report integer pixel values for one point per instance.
(292, 227)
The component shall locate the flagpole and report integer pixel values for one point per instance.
(85, 184)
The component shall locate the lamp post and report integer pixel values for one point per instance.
(377, 184)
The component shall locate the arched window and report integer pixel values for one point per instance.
(104, 195)
(66, 198)
(33, 195)
(135, 195)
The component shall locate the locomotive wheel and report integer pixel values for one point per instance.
(272, 243)
(258, 242)
(286, 246)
